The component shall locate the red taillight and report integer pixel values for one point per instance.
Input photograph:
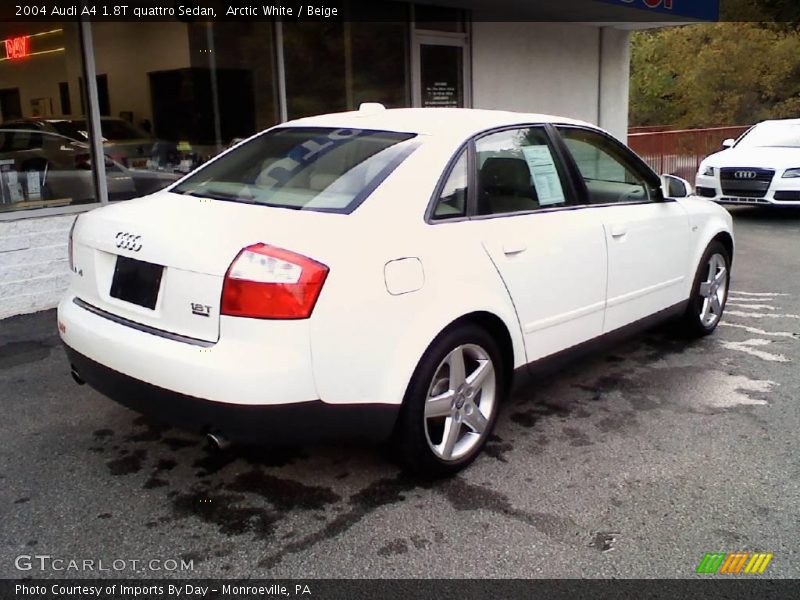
(265, 282)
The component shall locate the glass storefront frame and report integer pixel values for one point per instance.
(416, 36)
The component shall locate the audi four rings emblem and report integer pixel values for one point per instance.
(745, 174)
(128, 241)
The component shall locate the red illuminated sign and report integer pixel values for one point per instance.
(17, 47)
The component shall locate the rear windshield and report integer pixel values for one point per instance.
(303, 168)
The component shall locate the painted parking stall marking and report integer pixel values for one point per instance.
(763, 306)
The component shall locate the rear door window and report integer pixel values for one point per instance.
(452, 200)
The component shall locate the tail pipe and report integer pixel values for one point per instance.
(78, 379)
(217, 442)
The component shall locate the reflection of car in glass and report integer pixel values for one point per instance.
(383, 273)
(47, 169)
(761, 167)
(122, 141)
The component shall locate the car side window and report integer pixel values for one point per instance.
(608, 168)
(517, 172)
(17, 140)
(452, 200)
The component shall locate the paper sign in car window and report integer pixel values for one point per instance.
(545, 176)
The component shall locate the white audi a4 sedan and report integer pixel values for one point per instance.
(383, 274)
(761, 167)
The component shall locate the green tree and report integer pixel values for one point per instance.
(735, 73)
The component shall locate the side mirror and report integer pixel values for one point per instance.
(729, 143)
(675, 187)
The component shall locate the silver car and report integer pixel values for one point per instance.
(124, 142)
(39, 168)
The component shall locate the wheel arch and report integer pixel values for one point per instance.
(726, 239)
(497, 328)
(499, 324)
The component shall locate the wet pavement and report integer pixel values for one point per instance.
(634, 462)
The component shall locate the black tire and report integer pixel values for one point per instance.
(693, 325)
(413, 431)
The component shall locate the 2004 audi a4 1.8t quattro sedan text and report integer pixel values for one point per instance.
(382, 273)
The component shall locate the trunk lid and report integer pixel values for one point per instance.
(194, 241)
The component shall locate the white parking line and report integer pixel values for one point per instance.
(753, 306)
(767, 294)
(732, 390)
(748, 329)
(749, 299)
(749, 347)
(737, 313)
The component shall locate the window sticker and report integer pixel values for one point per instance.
(545, 176)
(10, 189)
(34, 186)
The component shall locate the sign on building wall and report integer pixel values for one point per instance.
(704, 10)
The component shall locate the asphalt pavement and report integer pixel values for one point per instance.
(631, 463)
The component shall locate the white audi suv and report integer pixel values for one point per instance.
(383, 274)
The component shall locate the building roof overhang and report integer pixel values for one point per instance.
(622, 14)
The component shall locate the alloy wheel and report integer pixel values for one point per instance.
(713, 291)
(460, 402)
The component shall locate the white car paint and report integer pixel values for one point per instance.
(636, 231)
(551, 279)
(743, 156)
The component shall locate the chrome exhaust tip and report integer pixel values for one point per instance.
(217, 442)
(76, 377)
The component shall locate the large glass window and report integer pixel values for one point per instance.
(302, 168)
(193, 90)
(173, 94)
(40, 166)
(334, 67)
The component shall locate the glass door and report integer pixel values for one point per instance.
(441, 71)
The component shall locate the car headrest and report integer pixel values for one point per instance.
(506, 175)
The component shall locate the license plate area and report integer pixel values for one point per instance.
(136, 281)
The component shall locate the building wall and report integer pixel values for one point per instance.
(615, 81)
(34, 269)
(553, 68)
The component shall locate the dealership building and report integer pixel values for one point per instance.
(158, 97)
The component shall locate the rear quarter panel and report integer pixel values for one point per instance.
(367, 342)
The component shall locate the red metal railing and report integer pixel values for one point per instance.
(680, 152)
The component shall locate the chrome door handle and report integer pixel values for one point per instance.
(618, 231)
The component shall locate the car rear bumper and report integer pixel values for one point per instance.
(280, 424)
(254, 362)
